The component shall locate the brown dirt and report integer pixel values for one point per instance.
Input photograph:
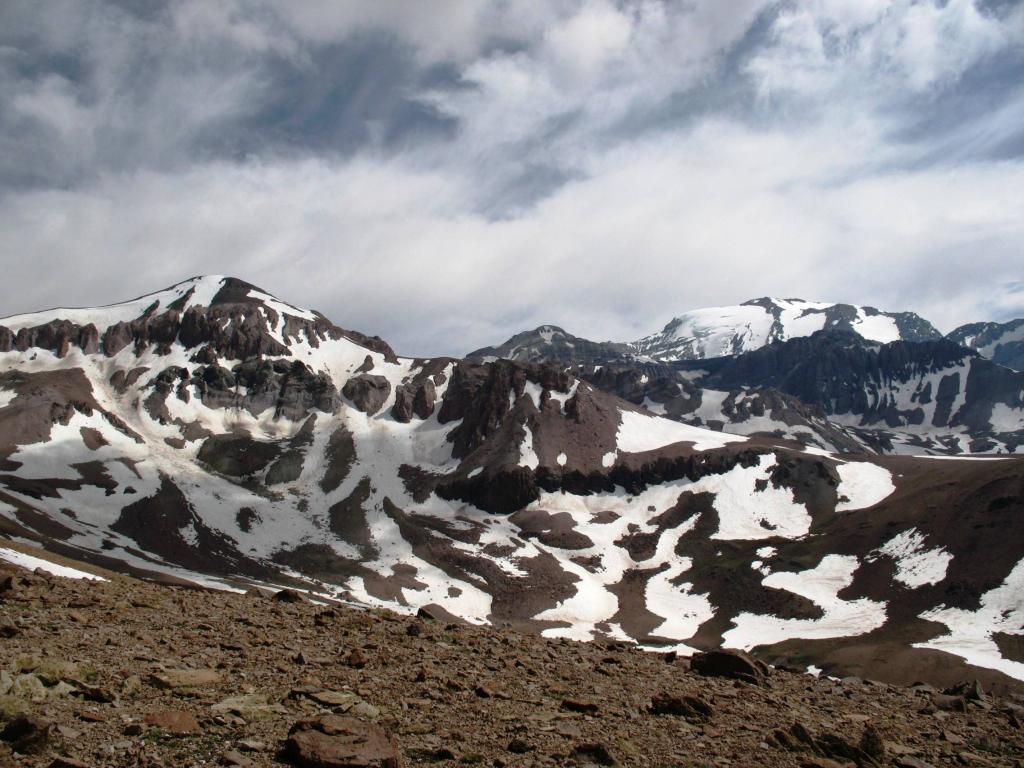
(447, 694)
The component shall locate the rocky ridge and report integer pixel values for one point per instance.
(270, 449)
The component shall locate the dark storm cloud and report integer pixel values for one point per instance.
(446, 173)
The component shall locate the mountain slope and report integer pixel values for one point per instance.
(721, 331)
(551, 344)
(928, 394)
(215, 434)
(1002, 343)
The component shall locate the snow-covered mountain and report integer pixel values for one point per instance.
(722, 331)
(213, 433)
(1001, 343)
(549, 344)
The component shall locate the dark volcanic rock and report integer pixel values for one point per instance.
(333, 741)
(732, 664)
(413, 399)
(367, 392)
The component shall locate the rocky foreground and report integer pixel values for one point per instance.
(129, 673)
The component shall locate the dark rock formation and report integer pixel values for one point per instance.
(367, 392)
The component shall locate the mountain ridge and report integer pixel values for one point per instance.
(230, 439)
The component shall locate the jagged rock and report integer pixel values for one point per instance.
(728, 663)
(334, 741)
(971, 690)
(414, 399)
(367, 392)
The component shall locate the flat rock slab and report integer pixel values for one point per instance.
(174, 679)
(334, 741)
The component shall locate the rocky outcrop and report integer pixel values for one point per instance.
(414, 400)
(479, 395)
(367, 392)
(334, 741)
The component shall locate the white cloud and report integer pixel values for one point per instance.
(805, 192)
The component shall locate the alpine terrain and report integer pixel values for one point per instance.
(213, 434)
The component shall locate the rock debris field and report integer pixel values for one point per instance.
(129, 673)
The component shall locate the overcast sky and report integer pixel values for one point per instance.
(446, 173)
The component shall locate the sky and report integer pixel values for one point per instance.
(447, 173)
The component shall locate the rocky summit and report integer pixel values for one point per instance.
(370, 559)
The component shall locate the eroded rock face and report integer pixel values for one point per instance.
(334, 741)
(367, 392)
(414, 400)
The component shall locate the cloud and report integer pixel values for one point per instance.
(446, 180)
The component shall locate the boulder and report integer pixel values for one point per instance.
(334, 741)
(27, 733)
(735, 665)
(367, 392)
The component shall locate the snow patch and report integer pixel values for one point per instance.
(970, 632)
(31, 563)
(639, 432)
(916, 565)
(863, 484)
(821, 585)
(745, 513)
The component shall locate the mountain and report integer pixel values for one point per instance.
(722, 331)
(213, 434)
(551, 344)
(924, 395)
(1001, 343)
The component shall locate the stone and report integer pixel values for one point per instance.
(690, 707)
(734, 665)
(334, 741)
(911, 762)
(177, 679)
(519, 747)
(173, 721)
(250, 706)
(27, 733)
(356, 658)
(597, 753)
(872, 744)
(231, 757)
(67, 762)
(581, 706)
(367, 392)
(970, 690)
